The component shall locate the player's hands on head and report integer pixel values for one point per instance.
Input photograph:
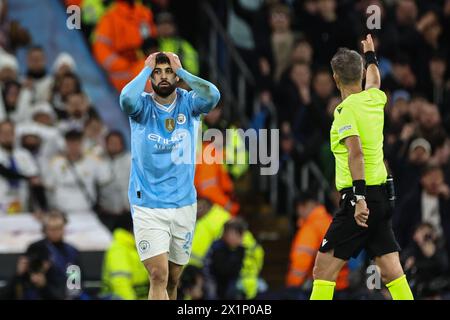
(368, 44)
(151, 60)
(175, 62)
(361, 213)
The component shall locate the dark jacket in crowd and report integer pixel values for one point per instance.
(222, 268)
(408, 215)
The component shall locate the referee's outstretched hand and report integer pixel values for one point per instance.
(368, 44)
(361, 213)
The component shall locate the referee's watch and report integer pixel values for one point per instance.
(359, 197)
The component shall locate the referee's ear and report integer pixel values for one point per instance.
(336, 79)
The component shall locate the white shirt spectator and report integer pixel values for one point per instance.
(430, 212)
(63, 181)
(114, 195)
(22, 112)
(14, 195)
(52, 142)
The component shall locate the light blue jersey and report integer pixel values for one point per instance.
(163, 141)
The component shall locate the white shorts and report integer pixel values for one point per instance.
(158, 231)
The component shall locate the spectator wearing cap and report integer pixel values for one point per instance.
(427, 202)
(18, 173)
(40, 128)
(72, 178)
(170, 41)
(417, 157)
(64, 63)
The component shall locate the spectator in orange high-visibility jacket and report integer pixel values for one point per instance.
(213, 182)
(119, 38)
(313, 222)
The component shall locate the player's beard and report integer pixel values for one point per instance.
(163, 92)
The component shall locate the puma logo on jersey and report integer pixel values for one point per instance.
(324, 242)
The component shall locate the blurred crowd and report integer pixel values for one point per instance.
(58, 157)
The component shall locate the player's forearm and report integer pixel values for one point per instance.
(132, 91)
(373, 78)
(204, 89)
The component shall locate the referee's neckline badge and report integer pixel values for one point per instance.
(169, 123)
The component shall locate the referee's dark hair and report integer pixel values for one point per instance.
(347, 65)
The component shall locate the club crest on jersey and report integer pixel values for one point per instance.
(170, 124)
(144, 245)
(181, 118)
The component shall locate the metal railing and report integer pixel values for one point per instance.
(221, 45)
(234, 100)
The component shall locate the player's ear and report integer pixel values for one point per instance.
(177, 79)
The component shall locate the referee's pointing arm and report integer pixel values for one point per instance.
(373, 79)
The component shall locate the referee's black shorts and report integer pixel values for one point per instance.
(347, 238)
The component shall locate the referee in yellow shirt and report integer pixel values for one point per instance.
(364, 218)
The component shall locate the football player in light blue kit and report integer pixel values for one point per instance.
(164, 127)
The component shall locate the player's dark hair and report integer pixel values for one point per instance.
(73, 135)
(347, 65)
(161, 58)
(236, 224)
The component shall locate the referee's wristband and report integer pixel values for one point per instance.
(370, 58)
(359, 187)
